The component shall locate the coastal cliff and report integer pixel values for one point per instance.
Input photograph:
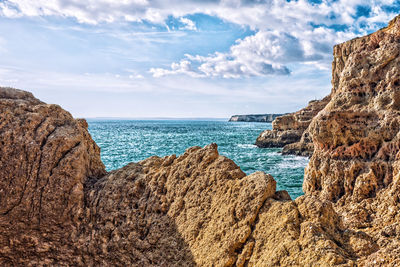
(290, 131)
(255, 117)
(60, 207)
(356, 139)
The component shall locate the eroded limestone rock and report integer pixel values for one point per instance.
(45, 158)
(200, 201)
(356, 137)
(291, 131)
(59, 207)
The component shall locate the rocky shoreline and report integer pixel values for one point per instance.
(291, 131)
(58, 205)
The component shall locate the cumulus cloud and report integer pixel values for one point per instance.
(257, 14)
(264, 53)
(285, 32)
(188, 24)
(261, 54)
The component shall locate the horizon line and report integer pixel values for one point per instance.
(156, 118)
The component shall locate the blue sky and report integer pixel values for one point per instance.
(170, 58)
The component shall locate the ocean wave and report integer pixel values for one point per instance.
(246, 145)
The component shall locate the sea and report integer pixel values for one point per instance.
(124, 141)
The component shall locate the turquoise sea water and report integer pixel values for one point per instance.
(124, 141)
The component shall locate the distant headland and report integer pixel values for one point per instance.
(255, 117)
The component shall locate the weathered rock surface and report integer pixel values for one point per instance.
(290, 131)
(45, 158)
(60, 207)
(201, 202)
(356, 137)
(255, 117)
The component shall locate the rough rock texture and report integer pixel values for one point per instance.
(290, 131)
(200, 201)
(59, 207)
(255, 117)
(45, 158)
(356, 137)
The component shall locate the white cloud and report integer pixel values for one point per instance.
(256, 14)
(257, 55)
(188, 24)
(265, 53)
(7, 10)
(109, 82)
(137, 76)
(182, 67)
(285, 31)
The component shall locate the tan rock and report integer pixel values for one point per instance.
(45, 158)
(291, 131)
(356, 139)
(198, 209)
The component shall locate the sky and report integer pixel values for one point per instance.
(179, 59)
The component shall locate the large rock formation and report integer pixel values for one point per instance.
(355, 142)
(60, 207)
(290, 131)
(46, 158)
(198, 208)
(356, 137)
(255, 117)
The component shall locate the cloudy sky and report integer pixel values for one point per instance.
(174, 58)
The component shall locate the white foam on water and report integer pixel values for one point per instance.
(292, 162)
(246, 145)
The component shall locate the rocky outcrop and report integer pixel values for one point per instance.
(198, 208)
(60, 207)
(46, 157)
(356, 134)
(255, 117)
(290, 131)
(355, 144)
(356, 138)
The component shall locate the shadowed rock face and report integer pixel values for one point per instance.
(58, 206)
(45, 158)
(290, 131)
